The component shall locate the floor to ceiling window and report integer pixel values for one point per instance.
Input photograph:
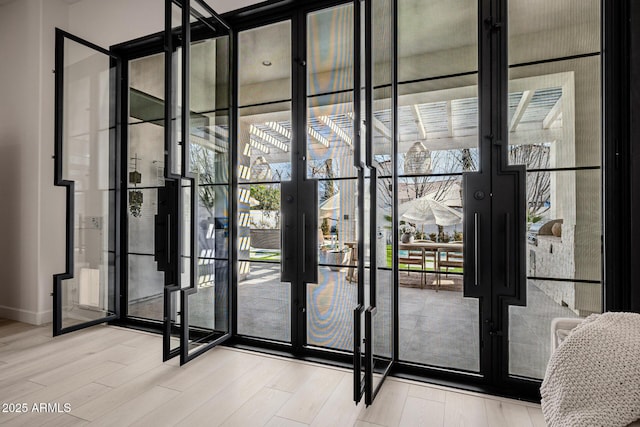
(360, 161)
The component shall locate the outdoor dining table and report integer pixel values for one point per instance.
(436, 247)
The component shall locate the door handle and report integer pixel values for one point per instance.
(507, 248)
(304, 242)
(476, 248)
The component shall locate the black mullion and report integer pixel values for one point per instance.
(262, 104)
(482, 264)
(139, 254)
(122, 217)
(394, 161)
(116, 116)
(233, 190)
(560, 279)
(557, 59)
(499, 152)
(298, 144)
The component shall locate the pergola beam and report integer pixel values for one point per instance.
(553, 114)
(327, 121)
(317, 136)
(525, 99)
(270, 139)
(422, 131)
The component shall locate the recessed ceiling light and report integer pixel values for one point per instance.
(266, 63)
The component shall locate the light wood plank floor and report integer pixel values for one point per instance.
(115, 377)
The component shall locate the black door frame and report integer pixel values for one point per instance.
(114, 124)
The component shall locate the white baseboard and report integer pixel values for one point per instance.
(26, 316)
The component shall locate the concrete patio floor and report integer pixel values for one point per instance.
(437, 327)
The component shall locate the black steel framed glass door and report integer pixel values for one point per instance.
(86, 147)
(297, 216)
(380, 128)
(192, 225)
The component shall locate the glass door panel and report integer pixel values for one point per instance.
(554, 130)
(381, 137)
(145, 179)
(330, 160)
(197, 285)
(205, 215)
(85, 157)
(438, 118)
(264, 164)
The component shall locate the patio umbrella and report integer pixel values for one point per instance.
(327, 207)
(426, 210)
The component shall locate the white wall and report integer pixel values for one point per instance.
(31, 214)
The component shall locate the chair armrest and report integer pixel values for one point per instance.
(560, 329)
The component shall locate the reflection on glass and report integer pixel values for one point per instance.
(88, 150)
(330, 93)
(264, 303)
(330, 50)
(264, 143)
(330, 304)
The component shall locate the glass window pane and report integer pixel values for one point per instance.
(571, 249)
(208, 308)
(259, 223)
(213, 224)
(438, 126)
(337, 213)
(330, 78)
(146, 286)
(436, 38)
(330, 50)
(88, 153)
(552, 29)
(330, 304)
(264, 143)
(264, 64)
(264, 302)
(554, 108)
(209, 106)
